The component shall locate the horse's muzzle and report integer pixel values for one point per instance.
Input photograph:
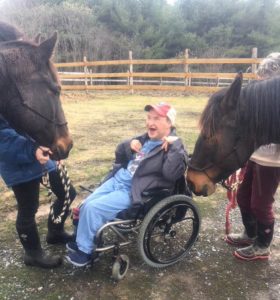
(62, 149)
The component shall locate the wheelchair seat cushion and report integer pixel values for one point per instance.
(132, 212)
(149, 199)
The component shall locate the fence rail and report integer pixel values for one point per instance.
(200, 82)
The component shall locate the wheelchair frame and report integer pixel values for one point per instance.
(163, 217)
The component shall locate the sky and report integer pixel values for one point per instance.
(171, 2)
(168, 1)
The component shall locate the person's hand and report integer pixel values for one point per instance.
(168, 140)
(42, 154)
(135, 146)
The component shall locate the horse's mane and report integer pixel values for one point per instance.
(257, 111)
(262, 110)
(210, 115)
(13, 44)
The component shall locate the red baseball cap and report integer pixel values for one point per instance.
(164, 110)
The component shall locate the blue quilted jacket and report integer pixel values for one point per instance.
(17, 157)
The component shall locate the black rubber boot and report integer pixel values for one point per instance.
(264, 235)
(250, 224)
(260, 250)
(247, 236)
(38, 258)
(34, 255)
(59, 237)
(57, 234)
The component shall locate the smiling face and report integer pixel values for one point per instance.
(157, 126)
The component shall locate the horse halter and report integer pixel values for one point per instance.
(210, 165)
(57, 124)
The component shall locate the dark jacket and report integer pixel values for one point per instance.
(159, 170)
(18, 163)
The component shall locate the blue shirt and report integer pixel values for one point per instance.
(124, 176)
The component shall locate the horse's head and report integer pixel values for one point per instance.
(30, 94)
(221, 147)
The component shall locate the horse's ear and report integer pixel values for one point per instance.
(231, 97)
(38, 38)
(46, 48)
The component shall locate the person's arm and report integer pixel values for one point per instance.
(125, 150)
(123, 153)
(15, 148)
(175, 163)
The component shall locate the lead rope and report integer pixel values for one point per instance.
(233, 183)
(65, 180)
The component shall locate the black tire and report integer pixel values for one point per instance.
(168, 231)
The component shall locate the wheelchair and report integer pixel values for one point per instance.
(165, 227)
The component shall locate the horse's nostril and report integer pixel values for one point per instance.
(204, 191)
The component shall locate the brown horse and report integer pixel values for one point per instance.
(234, 123)
(30, 90)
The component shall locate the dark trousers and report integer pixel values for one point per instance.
(27, 197)
(255, 195)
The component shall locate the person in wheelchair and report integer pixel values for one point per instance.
(154, 160)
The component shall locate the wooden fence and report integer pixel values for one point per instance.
(186, 81)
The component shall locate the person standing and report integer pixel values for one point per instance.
(255, 195)
(22, 165)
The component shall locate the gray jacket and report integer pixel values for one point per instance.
(159, 170)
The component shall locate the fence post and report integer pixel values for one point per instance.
(130, 72)
(85, 71)
(186, 67)
(91, 81)
(254, 55)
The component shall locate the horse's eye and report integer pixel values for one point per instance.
(58, 91)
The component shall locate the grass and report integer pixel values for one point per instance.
(98, 122)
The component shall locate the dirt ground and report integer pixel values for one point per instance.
(209, 272)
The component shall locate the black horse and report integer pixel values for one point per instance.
(30, 90)
(234, 123)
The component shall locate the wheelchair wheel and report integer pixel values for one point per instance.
(168, 231)
(120, 267)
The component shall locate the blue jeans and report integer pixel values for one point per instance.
(101, 206)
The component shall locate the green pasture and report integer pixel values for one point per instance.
(98, 122)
